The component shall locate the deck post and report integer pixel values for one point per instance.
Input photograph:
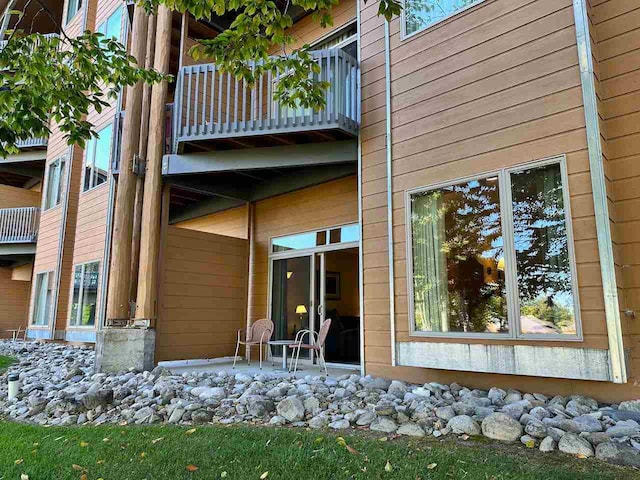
(119, 281)
(142, 154)
(147, 298)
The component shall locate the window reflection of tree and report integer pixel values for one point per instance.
(542, 250)
(421, 13)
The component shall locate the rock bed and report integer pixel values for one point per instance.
(60, 388)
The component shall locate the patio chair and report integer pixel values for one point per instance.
(316, 343)
(259, 333)
(15, 333)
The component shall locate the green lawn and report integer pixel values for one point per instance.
(161, 452)
(5, 362)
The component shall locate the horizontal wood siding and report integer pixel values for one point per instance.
(204, 295)
(14, 304)
(616, 35)
(14, 197)
(232, 223)
(495, 86)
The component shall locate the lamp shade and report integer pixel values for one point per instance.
(301, 309)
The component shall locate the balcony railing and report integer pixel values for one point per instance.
(19, 225)
(214, 105)
(33, 143)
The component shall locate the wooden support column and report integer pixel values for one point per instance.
(142, 154)
(147, 298)
(120, 270)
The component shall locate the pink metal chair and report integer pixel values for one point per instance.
(316, 343)
(258, 333)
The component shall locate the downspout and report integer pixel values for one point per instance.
(387, 95)
(599, 187)
(61, 239)
(360, 252)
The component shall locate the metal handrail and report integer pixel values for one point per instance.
(19, 225)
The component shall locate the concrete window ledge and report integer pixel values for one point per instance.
(534, 361)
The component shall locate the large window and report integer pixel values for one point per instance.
(73, 7)
(85, 295)
(492, 256)
(97, 159)
(56, 183)
(420, 14)
(43, 295)
(112, 26)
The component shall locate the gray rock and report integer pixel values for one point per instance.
(383, 424)
(212, 393)
(176, 415)
(366, 419)
(411, 430)
(588, 423)
(445, 413)
(397, 389)
(528, 441)
(575, 445)
(630, 406)
(547, 444)
(539, 413)
(497, 396)
(339, 424)
(311, 405)
(464, 424)
(318, 422)
(499, 426)
(277, 420)
(596, 438)
(556, 433)
(102, 397)
(291, 409)
(620, 430)
(536, 429)
(201, 416)
(618, 453)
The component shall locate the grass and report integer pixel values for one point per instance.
(163, 452)
(5, 362)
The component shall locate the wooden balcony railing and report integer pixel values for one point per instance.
(19, 225)
(212, 105)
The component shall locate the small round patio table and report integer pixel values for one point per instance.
(284, 344)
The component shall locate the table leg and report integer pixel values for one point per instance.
(284, 357)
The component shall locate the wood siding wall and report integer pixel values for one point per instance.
(14, 304)
(616, 38)
(14, 197)
(232, 223)
(495, 86)
(204, 295)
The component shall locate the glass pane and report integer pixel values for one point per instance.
(42, 300)
(291, 292)
(103, 156)
(75, 301)
(90, 294)
(347, 234)
(113, 24)
(420, 14)
(297, 242)
(62, 180)
(542, 252)
(88, 163)
(72, 8)
(458, 265)
(52, 185)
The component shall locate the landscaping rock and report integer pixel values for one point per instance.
(464, 424)
(445, 413)
(499, 426)
(383, 424)
(547, 444)
(411, 430)
(575, 445)
(291, 409)
(618, 453)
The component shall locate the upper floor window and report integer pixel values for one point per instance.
(85, 294)
(56, 183)
(112, 26)
(420, 14)
(97, 159)
(73, 7)
(493, 256)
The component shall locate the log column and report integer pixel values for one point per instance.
(142, 153)
(120, 271)
(147, 299)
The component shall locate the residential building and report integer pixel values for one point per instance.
(462, 209)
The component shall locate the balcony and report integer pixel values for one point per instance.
(215, 110)
(19, 225)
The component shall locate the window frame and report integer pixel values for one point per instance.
(59, 193)
(79, 6)
(81, 295)
(93, 160)
(403, 20)
(32, 318)
(511, 286)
